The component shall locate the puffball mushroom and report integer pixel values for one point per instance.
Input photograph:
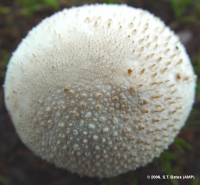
(100, 89)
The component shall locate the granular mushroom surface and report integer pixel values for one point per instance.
(100, 89)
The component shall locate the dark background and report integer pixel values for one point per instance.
(19, 166)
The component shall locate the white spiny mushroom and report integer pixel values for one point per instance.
(99, 89)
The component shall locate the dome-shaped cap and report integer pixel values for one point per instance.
(99, 89)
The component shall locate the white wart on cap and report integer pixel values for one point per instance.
(100, 89)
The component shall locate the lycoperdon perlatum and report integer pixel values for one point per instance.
(100, 89)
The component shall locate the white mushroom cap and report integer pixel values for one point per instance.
(99, 89)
